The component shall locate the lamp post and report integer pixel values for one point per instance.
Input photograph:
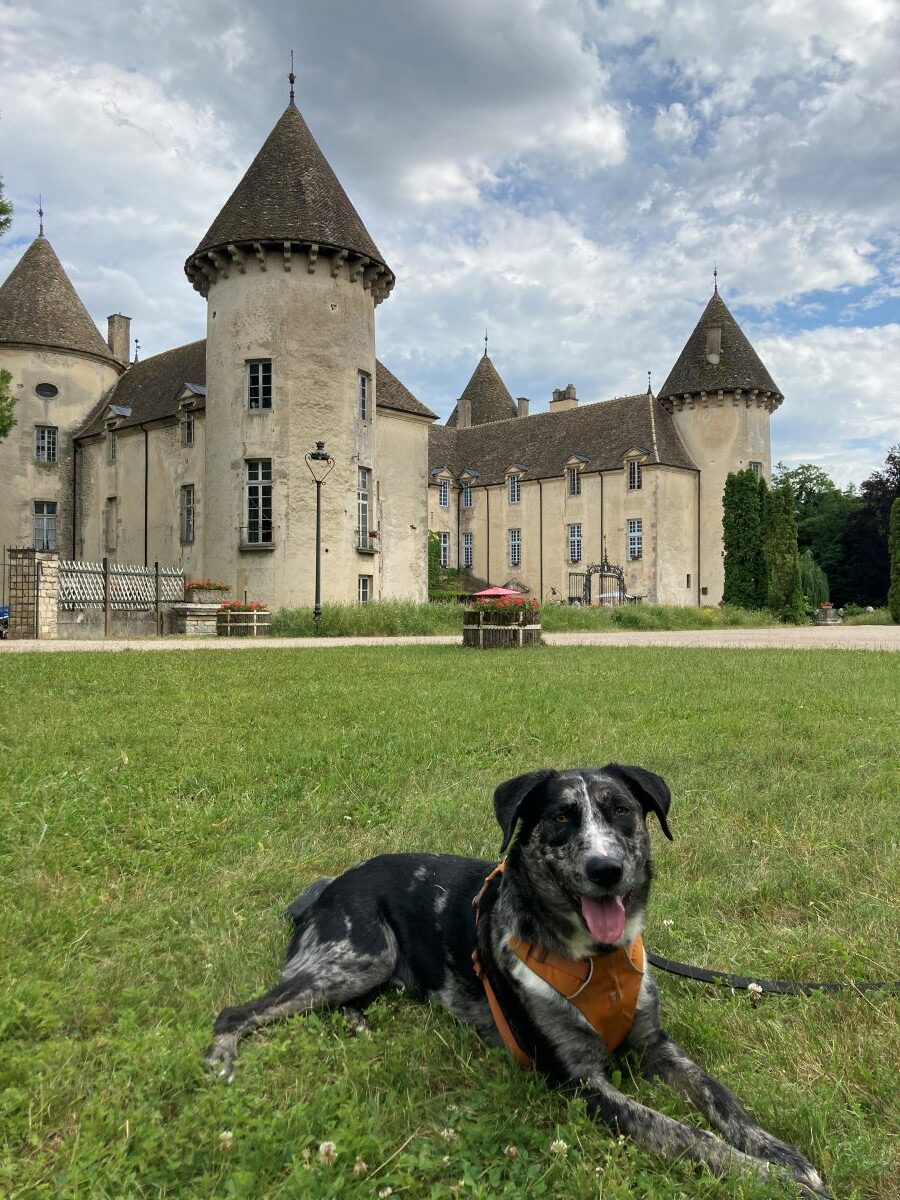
(320, 464)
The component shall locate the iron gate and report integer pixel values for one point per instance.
(610, 587)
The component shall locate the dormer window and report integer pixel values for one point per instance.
(187, 427)
(514, 491)
(713, 345)
(443, 493)
(259, 384)
(573, 481)
(466, 494)
(635, 476)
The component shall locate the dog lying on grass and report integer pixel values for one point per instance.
(543, 953)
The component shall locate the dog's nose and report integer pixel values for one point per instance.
(604, 869)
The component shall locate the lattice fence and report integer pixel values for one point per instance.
(118, 586)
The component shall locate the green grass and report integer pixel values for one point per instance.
(878, 616)
(159, 810)
(398, 617)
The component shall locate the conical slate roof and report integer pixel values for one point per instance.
(488, 396)
(738, 366)
(290, 193)
(40, 307)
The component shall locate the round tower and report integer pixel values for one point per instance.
(722, 398)
(291, 278)
(60, 368)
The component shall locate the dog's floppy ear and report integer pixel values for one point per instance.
(511, 795)
(652, 791)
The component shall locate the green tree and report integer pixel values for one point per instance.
(6, 209)
(894, 545)
(434, 561)
(813, 580)
(7, 404)
(779, 538)
(810, 485)
(760, 569)
(741, 537)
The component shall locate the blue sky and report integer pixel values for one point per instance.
(561, 171)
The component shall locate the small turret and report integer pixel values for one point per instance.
(485, 399)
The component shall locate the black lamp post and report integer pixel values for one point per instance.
(320, 464)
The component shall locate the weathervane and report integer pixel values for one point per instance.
(715, 278)
(292, 77)
(649, 388)
(485, 343)
(137, 350)
(40, 215)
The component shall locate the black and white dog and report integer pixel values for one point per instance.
(575, 885)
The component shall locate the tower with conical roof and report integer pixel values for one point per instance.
(485, 398)
(291, 278)
(722, 398)
(60, 368)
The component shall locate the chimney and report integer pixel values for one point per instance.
(522, 403)
(564, 399)
(119, 336)
(463, 413)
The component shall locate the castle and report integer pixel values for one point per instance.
(197, 456)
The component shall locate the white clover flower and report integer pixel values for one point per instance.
(668, 922)
(449, 1135)
(512, 1153)
(385, 1192)
(755, 992)
(327, 1153)
(558, 1146)
(226, 1139)
(360, 1168)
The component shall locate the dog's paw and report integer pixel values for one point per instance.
(357, 1025)
(221, 1058)
(811, 1184)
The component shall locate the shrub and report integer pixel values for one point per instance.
(894, 546)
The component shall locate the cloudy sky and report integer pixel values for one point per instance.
(564, 172)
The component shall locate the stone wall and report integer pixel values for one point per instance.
(33, 593)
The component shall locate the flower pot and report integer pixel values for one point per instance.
(501, 629)
(205, 595)
(232, 623)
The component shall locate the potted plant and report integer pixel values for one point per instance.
(237, 619)
(204, 591)
(502, 622)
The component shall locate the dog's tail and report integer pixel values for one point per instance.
(298, 907)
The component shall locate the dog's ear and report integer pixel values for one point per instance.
(652, 791)
(511, 795)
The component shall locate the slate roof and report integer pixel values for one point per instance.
(40, 307)
(602, 433)
(391, 393)
(488, 395)
(149, 389)
(290, 193)
(739, 365)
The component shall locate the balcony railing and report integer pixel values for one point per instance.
(364, 541)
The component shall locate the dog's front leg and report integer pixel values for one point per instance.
(664, 1058)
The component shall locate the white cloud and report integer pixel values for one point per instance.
(674, 124)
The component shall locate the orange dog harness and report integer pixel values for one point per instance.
(603, 988)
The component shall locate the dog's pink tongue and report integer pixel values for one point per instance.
(604, 918)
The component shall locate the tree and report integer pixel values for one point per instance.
(810, 485)
(813, 580)
(894, 545)
(779, 535)
(6, 209)
(7, 404)
(741, 537)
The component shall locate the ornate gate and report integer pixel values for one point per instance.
(610, 587)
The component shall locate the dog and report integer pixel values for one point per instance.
(485, 941)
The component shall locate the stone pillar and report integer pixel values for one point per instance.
(33, 593)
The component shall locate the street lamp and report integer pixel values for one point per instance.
(320, 464)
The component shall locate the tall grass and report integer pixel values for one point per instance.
(398, 617)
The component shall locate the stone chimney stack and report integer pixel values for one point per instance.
(118, 337)
(522, 402)
(563, 399)
(463, 413)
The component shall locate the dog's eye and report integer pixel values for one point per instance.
(564, 815)
(621, 810)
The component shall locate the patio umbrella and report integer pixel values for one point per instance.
(492, 592)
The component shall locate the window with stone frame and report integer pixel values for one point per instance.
(467, 550)
(259, 384)
(364, 588)
(635, 476)
(466, 494)
(574, 542)
(364, 508)
(111, 445)
(513, 489)
(44, 516)
(444, 493)
(258, 529)
(573, 480)
(756, 468)
(635, 538)
(46, 438)
(187, 427)
(444, 547)
(363, 390)
(187, 510)
(514, 545)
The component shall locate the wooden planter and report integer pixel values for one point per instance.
(243, 624)
(205, 595)
(508, 629)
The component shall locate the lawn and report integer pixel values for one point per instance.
(159, 810)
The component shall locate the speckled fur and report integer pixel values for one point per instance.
(406, 921)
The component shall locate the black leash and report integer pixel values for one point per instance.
(781, 987)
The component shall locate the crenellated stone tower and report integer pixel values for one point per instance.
(291, 278)
(722, 398)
